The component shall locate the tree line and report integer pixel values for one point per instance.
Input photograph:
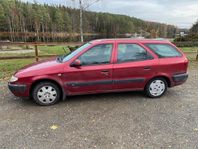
(191, 37)
(194, 28)
(193, 33)
(20, 21)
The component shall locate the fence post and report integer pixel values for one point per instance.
(36, 52)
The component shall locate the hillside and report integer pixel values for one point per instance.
(21, 21)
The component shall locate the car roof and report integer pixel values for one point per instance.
(131, 40)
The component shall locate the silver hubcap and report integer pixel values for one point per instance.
(157, 88)
(46, 94)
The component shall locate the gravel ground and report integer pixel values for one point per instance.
(115, 120)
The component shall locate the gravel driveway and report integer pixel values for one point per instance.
(115, 120)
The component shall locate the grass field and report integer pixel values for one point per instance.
(43, 50)
(189, 49)
(8, 67)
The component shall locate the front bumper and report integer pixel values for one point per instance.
(17, 89)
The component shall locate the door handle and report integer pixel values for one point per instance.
(147, 68)
(105, 72)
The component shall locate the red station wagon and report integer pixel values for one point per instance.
(106, 65)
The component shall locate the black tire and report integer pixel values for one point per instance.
(38, 88)
(148, 89)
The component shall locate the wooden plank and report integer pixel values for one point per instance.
(197, 56)
(36, 53)
(190, 52)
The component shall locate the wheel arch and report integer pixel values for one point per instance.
(47, 80)
(161, 76)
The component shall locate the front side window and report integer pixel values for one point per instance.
(164, 50)
(132, 52)
(100, 54)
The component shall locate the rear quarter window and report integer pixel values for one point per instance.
(164, 50)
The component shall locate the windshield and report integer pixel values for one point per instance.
(69, 56)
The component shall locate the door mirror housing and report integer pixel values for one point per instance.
(76, 63)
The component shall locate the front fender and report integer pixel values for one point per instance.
(55, 78)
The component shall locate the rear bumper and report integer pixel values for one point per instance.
(180, 78)
(18, 89)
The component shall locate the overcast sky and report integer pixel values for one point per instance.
(182, 13)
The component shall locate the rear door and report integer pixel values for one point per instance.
(134, 65)
(95, 72)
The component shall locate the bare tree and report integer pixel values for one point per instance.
(83, 5)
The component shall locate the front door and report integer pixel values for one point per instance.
(95, 72)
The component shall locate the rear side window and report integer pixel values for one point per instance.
(164, 50)
(132, 52)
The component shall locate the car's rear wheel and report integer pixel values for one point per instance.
(46, 93)
(156, 87)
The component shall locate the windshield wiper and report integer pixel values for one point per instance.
(60, 58)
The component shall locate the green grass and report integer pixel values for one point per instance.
(53, 50)
(189, 49)
(8, 67)
(191, 52)
(43, 50)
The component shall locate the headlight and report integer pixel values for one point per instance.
(13, 79)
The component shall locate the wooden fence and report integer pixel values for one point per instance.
(36, 53)
(35, 45)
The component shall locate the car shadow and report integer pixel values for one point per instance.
(135, 95)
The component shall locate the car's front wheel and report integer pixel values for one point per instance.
(46, 93)
(156, 87)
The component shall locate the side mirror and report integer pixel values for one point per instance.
(76, 63)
